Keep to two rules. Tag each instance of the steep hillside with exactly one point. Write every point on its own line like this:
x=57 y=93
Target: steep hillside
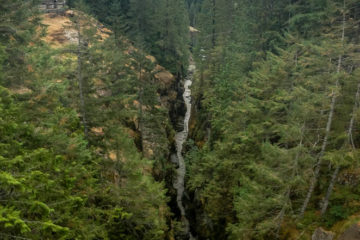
x=147 y=110
x=72 y=146
x=61 y=32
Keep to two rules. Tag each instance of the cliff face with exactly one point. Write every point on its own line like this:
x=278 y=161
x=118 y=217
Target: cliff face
x=148 y=111
x=154 y=135
x=156 y=129
x=54 y=6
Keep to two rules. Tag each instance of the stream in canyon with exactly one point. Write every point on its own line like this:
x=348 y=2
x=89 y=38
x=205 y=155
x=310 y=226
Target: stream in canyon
x=180 y=138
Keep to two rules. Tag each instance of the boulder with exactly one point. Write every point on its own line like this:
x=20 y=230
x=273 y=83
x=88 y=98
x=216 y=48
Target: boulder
x=321 y=234
x=352 y=233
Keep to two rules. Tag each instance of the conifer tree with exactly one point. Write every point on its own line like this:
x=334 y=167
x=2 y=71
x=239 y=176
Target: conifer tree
x=328 y=124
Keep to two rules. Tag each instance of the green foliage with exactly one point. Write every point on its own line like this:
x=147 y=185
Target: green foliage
x=337 y=213
x=158 y=27
x=267 y=73
x=264 y=93
x=10 y=219
x=55 y=183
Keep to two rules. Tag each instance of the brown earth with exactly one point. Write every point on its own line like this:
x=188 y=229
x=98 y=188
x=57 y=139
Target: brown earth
x=61 y=31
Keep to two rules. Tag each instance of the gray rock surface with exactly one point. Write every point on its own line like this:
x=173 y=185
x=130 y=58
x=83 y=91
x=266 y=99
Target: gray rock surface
x=321 y=234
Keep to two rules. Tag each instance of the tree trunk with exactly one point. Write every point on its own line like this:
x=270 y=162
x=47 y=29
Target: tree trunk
x=327 y=131
x=351 y=143
x=351 y=125
x=80 y=79
x=141 y=113
x=329 y=191
x=288 y=190
x=213 y=38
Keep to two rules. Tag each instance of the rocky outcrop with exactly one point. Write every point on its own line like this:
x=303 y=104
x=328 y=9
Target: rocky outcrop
x=321 y=234
x=156 y=119
x=53 y=6
x=61 y=31
x=352 y=233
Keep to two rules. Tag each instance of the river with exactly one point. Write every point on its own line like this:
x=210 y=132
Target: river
x=180 y=138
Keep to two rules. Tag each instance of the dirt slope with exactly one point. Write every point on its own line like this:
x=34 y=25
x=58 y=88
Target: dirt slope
x=61 y=31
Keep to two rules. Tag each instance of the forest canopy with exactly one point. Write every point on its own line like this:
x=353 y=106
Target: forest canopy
x=179 y=119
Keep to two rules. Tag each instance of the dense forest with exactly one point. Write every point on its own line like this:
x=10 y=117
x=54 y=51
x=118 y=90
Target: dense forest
x=180 y=119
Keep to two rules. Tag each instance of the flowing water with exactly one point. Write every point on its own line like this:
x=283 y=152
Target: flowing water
x=180 y=138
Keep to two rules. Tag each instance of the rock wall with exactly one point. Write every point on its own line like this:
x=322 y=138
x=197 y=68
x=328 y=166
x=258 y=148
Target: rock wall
x=321 y=234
